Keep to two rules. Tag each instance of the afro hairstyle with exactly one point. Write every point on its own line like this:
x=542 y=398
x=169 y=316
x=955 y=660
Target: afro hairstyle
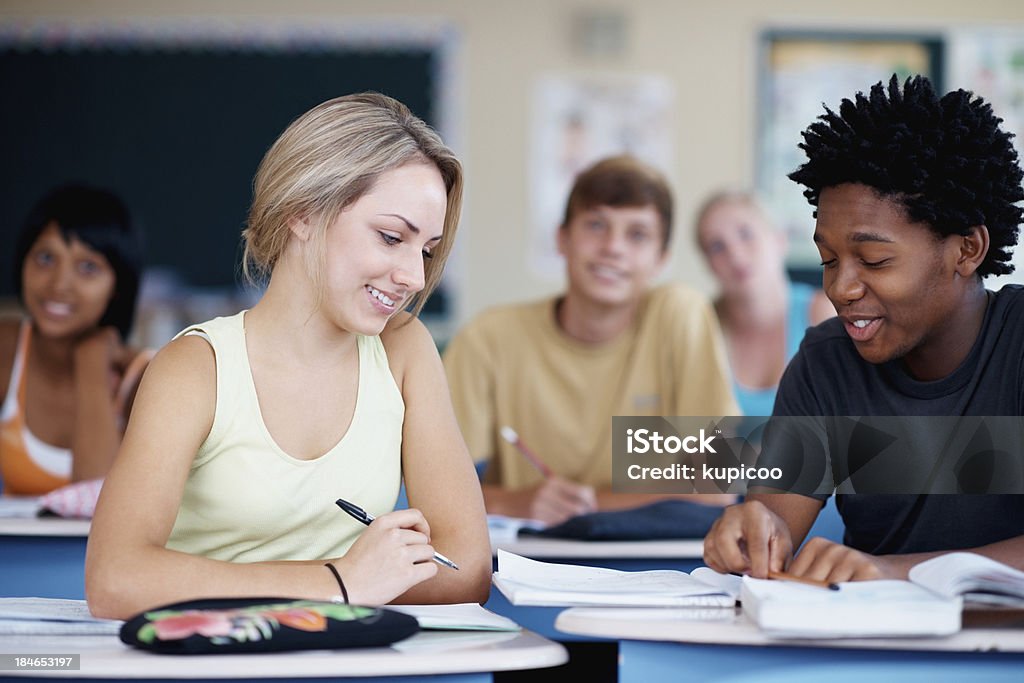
x=945 y=160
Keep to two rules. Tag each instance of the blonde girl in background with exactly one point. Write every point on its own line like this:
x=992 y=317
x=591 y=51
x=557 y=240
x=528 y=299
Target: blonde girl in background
x=763 y=315
x=248 y=428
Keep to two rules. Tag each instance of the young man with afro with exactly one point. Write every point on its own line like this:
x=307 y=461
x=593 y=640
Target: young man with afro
x=916 y=199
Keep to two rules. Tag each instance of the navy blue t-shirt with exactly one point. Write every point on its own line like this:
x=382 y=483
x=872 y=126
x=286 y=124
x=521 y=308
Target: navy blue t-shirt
x=827 y=377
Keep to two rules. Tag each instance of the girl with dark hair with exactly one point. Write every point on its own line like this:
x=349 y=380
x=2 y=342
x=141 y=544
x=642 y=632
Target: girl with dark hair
x=70 y=377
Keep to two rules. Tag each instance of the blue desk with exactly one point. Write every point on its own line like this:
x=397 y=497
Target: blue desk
x=46 y=558
x=43 y=557
x=670 y=644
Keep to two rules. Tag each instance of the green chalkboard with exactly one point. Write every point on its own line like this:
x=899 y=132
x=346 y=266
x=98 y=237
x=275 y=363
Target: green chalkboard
x=177 y=133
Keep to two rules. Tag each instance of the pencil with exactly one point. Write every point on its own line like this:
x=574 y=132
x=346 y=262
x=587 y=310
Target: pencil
x=512 y=437
x=783 y=576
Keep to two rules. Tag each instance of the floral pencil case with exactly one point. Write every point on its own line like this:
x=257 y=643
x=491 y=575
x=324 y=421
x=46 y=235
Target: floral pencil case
x=232 y=625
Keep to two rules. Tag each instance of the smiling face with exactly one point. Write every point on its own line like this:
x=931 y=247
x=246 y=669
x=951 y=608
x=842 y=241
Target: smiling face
x=740 y=246
x=612 y=253
x=893 y=282
x=375 y=249
x=66 y=285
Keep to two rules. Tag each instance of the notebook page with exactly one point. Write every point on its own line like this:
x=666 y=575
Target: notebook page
x=858 y=609
x=468 y=616
x=566 y=578
x=959 y=573
x=41 y=616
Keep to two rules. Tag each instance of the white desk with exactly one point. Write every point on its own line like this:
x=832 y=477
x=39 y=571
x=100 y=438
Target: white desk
x=425 y=654
x=724 y=645
x=44 y=526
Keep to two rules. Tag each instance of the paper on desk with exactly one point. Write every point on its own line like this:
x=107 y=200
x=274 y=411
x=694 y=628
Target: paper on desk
x=503 y=529
x=727 y=583
x=22 y=507
x=529 y=582
x=51 y=616
x=76 y=500
x=467 y=616
x=439 y=641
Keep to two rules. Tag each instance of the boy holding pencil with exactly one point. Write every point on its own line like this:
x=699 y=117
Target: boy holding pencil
x=535 y=385
x=917 y=201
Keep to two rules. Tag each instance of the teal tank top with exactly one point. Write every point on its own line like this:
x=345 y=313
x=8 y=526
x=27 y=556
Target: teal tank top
x=761 y=401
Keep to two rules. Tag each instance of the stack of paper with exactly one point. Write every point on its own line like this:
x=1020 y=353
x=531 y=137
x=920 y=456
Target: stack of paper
x=858 y=609
x=76 y=500
x=533 y=583
x=49 y=616
x=19 y=506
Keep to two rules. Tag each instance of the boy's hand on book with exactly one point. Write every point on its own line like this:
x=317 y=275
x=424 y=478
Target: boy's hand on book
x=748 y=538
x=390 y=557
x=558 y=499
x=833 y=562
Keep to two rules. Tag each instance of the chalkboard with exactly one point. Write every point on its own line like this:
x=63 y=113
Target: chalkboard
x=177 y=133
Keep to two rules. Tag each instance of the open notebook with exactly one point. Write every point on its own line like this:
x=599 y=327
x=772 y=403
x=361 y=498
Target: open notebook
x=975 y=577
x=859 y=609
x=532 y=583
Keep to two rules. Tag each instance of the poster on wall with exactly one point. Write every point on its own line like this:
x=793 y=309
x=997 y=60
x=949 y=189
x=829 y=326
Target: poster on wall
x=990 y=63
x=578 y=120
x=799 y=73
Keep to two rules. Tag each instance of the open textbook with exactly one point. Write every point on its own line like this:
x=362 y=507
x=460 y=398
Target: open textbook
x=859 y=609
x=976 y=577
x=532 y=583
x=929 y=604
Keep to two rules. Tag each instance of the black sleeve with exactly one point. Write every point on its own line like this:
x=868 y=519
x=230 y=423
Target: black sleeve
x=795 y=442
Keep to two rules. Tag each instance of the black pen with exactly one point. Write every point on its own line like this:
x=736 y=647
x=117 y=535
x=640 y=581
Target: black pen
x=361 y=515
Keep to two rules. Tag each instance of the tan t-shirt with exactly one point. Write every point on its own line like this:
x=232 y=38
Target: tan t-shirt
x=514 y=366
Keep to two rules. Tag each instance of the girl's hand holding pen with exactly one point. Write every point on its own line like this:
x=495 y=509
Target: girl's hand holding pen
x=390 y=557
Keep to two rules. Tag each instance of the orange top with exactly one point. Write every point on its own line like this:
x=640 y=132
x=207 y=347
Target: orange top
x=28 y=466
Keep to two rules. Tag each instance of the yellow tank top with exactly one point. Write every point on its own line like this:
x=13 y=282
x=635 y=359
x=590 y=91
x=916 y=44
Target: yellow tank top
x=246 y=500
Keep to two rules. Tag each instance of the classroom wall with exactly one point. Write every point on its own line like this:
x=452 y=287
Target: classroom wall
x=707 y=49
